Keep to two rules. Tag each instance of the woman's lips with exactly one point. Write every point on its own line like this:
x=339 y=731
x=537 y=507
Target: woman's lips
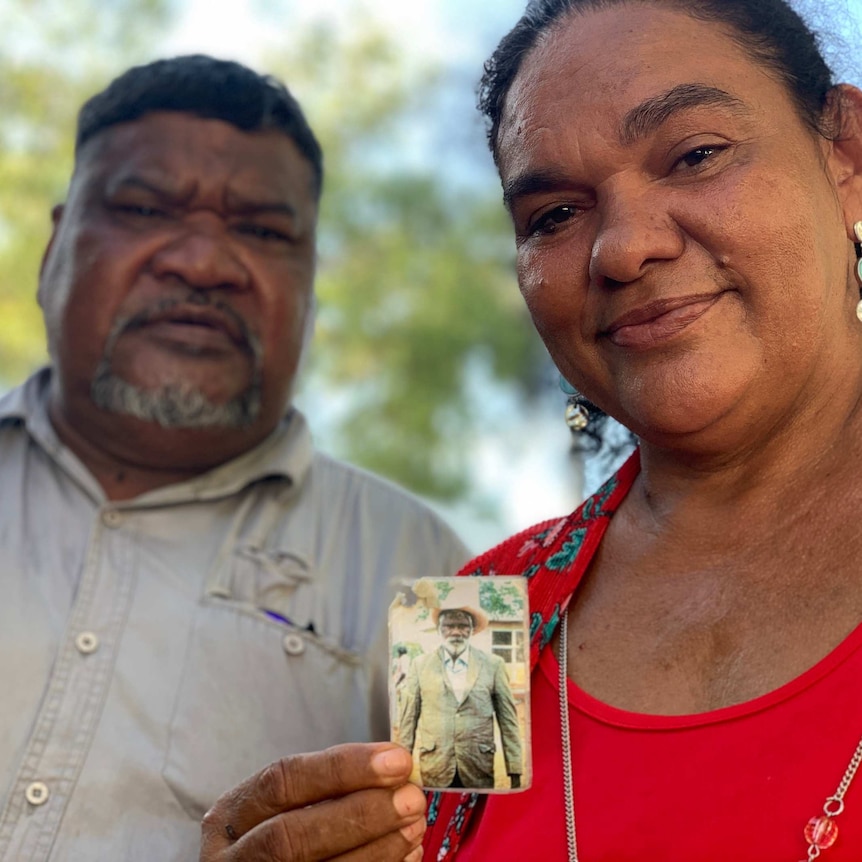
x=658 y=322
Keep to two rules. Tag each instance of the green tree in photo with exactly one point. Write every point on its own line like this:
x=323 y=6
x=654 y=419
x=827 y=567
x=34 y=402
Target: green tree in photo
x=500 y=599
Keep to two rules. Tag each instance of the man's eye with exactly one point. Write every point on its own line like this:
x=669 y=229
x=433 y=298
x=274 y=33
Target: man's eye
x=143 y=211
x=262 y=232
x=550 y=221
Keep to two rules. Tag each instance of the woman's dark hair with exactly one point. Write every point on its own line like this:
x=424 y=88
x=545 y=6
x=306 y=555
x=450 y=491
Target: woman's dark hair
x=771 y=31
x=204 y=87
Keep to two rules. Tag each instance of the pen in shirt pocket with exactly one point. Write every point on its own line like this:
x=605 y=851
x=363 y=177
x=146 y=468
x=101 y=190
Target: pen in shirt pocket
x=287 y=621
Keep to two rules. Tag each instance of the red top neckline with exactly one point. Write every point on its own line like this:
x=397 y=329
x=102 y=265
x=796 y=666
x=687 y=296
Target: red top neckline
x=611 y=715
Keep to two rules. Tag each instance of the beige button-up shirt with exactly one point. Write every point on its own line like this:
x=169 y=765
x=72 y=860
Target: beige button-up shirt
x=155 y=652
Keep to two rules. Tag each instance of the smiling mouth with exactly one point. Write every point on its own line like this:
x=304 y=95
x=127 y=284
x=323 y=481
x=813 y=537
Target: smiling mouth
x=658 y=322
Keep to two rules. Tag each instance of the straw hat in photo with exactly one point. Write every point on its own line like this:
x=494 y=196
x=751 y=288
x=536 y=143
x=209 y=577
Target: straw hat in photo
x=480 y=620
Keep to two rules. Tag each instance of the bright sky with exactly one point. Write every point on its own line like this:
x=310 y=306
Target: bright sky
x=443 y=29
x=447 y=29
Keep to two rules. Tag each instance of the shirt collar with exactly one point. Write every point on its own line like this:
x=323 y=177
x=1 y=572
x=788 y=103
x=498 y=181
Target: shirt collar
x=457 y=664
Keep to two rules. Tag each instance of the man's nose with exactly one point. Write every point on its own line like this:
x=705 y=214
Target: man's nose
x=201 y=254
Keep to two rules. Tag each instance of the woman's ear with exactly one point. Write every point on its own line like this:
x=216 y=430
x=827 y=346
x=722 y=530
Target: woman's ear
x=843 y=126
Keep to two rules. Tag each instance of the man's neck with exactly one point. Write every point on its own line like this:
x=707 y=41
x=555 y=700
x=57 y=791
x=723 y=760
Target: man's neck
x=129 y=457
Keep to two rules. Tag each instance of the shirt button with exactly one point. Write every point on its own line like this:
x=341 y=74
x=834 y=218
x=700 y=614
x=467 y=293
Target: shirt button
x=293 y=644
x=37 y=793
x=86 y=642
x=112 y=518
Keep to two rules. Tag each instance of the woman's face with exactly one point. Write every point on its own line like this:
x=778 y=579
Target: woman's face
x=681 y=233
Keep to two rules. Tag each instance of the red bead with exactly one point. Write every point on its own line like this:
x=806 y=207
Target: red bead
x=821 y=832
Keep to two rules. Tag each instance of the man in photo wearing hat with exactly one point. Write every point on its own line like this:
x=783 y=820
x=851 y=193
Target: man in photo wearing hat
x=451 y=697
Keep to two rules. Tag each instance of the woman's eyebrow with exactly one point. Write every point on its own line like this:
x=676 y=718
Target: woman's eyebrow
x=650 y=114
x=532 y=183
x=638 y=123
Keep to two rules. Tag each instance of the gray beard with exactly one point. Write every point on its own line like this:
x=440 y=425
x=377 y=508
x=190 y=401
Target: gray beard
x=176 y=405
x=173 y=406
x=452 y=649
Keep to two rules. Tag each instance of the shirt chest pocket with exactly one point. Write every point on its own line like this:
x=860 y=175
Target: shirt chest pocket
x=256 y=687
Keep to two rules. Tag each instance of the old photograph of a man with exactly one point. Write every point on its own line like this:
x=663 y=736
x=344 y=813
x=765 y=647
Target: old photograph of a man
x=462 y=707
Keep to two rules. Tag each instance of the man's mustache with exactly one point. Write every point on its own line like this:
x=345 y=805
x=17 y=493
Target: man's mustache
x=199 y=298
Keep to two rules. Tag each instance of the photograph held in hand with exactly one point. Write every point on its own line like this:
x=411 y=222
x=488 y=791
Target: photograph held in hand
x=462 y=705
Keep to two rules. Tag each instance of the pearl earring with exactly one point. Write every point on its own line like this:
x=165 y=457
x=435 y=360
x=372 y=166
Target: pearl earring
x=857 y=232
x=577 y=416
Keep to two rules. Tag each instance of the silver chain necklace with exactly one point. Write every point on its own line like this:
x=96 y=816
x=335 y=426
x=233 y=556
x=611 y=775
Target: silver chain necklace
x=820 y=832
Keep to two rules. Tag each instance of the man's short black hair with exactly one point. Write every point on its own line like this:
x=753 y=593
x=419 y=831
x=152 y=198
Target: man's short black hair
x=205 y=87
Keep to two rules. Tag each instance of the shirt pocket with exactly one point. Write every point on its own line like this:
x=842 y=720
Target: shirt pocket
x=255 y=686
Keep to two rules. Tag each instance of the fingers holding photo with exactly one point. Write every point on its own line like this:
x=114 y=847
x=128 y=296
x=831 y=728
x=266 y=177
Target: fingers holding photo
x=349 y=803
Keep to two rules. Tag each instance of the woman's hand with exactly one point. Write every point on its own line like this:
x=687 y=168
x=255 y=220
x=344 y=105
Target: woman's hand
x=350 y=803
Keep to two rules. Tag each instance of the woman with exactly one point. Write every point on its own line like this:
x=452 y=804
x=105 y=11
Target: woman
x=685 y=184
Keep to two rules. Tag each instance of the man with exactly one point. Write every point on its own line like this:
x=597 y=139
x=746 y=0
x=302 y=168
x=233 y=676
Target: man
x=451 y=698
x=189 y=590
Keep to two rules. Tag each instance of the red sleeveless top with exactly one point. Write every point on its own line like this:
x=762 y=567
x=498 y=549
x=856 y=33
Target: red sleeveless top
x=737 y=783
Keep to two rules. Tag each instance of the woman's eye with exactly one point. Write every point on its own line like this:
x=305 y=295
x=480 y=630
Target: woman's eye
x=549 y=222
x=698 y=156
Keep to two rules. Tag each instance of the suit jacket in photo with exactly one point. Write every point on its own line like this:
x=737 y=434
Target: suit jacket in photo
x=461 y=735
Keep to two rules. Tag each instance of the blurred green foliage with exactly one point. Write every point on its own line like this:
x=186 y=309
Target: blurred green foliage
x=416 y=286
x=53 y=55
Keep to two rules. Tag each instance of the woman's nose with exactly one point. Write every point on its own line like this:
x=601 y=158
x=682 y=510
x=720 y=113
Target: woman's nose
x=635 y=230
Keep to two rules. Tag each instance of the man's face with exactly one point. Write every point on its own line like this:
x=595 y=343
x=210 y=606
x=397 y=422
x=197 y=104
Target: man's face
x=178 y=282
x=455 y=628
